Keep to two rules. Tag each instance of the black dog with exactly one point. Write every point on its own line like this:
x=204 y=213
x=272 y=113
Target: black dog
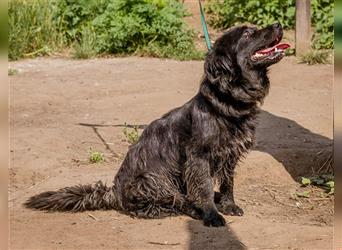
x=170 y=170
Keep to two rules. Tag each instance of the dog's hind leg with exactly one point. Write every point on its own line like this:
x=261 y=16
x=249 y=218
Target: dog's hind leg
x=151 y=195
x=200 y=191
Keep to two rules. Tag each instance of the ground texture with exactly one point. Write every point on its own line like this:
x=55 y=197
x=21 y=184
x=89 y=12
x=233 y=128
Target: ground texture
x=61 y=108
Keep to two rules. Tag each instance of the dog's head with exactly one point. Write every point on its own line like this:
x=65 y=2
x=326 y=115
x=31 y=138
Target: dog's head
x=245 y=49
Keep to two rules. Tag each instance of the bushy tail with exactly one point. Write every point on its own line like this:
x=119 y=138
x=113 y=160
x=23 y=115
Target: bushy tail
x=75 y=199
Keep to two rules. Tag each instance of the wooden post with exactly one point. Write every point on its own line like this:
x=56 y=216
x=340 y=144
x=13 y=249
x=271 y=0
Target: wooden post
x=303 y=26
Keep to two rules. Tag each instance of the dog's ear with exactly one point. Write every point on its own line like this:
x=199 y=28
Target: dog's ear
x=218 y=66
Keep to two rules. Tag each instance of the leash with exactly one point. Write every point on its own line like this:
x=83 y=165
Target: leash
x=204 y=26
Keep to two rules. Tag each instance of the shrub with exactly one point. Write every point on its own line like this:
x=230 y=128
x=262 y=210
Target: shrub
x=145 y=27
x=323 y=19
x=226 y=13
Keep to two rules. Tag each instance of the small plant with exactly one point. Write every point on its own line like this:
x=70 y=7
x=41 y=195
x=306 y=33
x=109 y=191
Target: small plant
x=315 y=57
x=12 y=72
x=96 y=157
x=84 y=48
x=131 y=134
x=326 y=181
x=290 y=52
x=304 y=194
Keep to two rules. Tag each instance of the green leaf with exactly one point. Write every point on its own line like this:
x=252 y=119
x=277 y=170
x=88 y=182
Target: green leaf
x=306 y=181
x=330 y=184
x=304 y=194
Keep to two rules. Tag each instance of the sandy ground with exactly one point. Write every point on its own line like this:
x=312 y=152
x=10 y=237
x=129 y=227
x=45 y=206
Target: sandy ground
x=51 y=97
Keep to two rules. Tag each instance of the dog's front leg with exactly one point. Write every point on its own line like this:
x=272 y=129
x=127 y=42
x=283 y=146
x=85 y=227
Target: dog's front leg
x=200 y=191
x=225 y=198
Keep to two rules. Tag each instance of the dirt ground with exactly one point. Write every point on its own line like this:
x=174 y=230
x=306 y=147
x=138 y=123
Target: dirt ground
x=60 y=108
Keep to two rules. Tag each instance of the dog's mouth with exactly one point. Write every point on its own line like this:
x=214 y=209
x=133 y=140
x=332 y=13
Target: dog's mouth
x=275 y=52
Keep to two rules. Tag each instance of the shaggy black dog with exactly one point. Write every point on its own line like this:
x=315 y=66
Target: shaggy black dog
x=172 y=168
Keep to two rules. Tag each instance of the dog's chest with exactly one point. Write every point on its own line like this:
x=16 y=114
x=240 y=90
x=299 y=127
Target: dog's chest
x=231 y=143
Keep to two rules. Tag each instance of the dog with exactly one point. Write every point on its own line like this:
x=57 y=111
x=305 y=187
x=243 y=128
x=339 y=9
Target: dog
x=172 y=168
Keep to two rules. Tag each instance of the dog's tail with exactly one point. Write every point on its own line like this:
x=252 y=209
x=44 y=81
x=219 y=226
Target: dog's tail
x=75 y=199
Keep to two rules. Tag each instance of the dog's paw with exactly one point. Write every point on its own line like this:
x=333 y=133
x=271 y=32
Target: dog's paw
x=230 y=208
x=213 y=219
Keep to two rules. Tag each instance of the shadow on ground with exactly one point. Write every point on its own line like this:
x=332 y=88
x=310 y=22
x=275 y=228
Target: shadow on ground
x=204 y=238
x=299 y=150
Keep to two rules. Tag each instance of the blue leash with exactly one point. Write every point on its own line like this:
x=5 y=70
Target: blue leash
x=204 y=26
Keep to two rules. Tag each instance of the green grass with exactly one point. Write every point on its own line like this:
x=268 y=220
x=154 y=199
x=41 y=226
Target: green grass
x=131 y=134
x=12 y=72
x=315 y=57
x=85 y=47
x=96 y=156
x=32 y=29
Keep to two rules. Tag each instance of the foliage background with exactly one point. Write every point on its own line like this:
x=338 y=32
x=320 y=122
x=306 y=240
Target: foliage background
x=148 y=27
x=142 y=27
x=226 y=13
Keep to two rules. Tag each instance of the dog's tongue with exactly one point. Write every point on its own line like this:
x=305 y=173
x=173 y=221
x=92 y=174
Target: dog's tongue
x=279 y=46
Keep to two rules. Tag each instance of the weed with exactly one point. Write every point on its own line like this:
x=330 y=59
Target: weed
x=12 y=72
x=131 y=134
x=325 y=181
x=315 y=57
x=85 y=47
x=304 y=194
x=33 y=28
x=290 y=52
x=96 y=157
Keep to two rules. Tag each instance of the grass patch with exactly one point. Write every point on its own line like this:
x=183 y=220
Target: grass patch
x=96 y=156
x=131 y=134
x=33 y=30
x=85 y=47
x=316 y=57
x=12 y=72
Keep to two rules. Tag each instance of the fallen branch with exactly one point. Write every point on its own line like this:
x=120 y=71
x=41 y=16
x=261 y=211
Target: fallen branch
x=163 y=243
x=93 y=217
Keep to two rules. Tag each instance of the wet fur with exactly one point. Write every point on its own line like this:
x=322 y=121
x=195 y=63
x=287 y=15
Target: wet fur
x=171 y=169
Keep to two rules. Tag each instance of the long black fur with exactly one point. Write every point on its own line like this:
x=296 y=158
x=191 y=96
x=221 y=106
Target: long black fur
x=170 y=170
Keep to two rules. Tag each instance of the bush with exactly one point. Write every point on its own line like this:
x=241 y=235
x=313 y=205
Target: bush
x=323 y=19
x=146 y=27
x=226 y=13
x=152 y=27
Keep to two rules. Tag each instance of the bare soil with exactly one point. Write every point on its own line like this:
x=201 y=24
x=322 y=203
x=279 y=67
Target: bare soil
x=60 y=108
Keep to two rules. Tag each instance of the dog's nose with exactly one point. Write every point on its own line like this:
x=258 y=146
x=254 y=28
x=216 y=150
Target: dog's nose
x=277 y=25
